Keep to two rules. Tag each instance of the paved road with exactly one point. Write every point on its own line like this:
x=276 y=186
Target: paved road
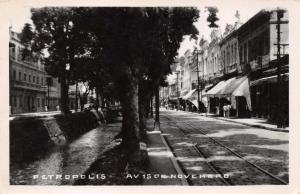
x=204 y=145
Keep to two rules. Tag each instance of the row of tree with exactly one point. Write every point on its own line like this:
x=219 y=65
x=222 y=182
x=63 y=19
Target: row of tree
x=127 y=51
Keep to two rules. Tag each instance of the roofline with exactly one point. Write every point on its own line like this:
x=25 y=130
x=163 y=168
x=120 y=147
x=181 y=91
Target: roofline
x=245 y=25
x=261 y=13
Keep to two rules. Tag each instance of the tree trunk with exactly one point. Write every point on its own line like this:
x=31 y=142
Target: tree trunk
x=157 y=123
x=76 y=97
x=143 y=104
x=97 y=98
x=81 y=99
x=147 y=108
x=130 y=122
x=64 y=88
x=151 y=107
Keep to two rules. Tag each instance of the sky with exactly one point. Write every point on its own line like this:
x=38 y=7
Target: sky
x=226 y=14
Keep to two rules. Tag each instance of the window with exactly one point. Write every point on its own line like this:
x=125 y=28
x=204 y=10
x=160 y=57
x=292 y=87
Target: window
x=14 y=75
x=14 y=101
x=43 y=102
x=19 y=53
x=242 y=53
x=12 y=50
x=266 y=39
x=236 y=52
x=21 y=101
x=245 y=53
x=232 y=54
x=24 y=77
x=38 y=80
x=38 y=102
x=20 y=76
x=29 y=78
x=33 y=79
x=227 y=57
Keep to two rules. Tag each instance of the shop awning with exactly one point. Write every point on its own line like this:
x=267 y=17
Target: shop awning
x=183 y=93
x=243 y=90
x=271 y=79
x=195 y=102
x=204 y=101
x=193 y=96
x=207 y=87
x=231 y=85
x=188 y=95
x=216 y=88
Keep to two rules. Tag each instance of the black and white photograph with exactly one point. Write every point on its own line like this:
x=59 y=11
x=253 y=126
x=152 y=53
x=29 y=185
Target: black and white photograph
x=152 y=95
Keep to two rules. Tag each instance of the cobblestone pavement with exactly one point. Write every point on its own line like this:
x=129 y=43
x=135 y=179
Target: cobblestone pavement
x=234 y=154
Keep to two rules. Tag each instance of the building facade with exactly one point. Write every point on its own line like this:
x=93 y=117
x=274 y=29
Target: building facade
x=31 y=89
x=267 y=68
x=27 y=80
x=245 y=69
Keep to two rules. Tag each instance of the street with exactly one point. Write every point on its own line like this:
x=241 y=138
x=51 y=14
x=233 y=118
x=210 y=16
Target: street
x=243 y=154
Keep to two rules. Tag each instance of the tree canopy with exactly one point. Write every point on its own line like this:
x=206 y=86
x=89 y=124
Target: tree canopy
x=129 y=49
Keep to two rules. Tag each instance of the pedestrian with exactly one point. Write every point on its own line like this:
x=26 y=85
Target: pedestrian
x=228 y=110
x=224 y=110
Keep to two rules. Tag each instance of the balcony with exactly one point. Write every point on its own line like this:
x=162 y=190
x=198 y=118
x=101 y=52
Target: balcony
x=27 y=86
x=260 y=62
x=231 y=68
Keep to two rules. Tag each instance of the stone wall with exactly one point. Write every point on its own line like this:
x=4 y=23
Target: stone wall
x=33 y=137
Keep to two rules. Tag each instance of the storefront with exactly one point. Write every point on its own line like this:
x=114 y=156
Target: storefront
x=267 y=101
x=233 y=92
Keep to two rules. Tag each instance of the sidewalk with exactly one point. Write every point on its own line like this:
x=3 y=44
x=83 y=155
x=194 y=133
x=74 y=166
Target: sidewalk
x=161 y=162
x=252 y=122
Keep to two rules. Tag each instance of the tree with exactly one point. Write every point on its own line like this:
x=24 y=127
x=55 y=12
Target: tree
x=212 y=17
x=137 y=47
x=59 y=41
x=133 y=46
x=26 y=39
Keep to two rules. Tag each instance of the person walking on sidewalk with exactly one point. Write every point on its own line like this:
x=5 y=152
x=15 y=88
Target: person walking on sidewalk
x=224 y=110
x=228 y=110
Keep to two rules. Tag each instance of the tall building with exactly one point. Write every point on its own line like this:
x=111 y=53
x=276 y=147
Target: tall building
x=31 y=89
x=27 y=79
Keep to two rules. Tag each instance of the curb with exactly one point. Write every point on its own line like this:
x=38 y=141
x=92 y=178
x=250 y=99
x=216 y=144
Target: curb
x=251 y=125
x=173 y=160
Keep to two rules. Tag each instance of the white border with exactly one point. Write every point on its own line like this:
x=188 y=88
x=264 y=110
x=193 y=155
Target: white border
x=9 y=8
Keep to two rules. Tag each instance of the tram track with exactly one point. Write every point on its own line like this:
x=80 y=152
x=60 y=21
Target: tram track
x=217 y=142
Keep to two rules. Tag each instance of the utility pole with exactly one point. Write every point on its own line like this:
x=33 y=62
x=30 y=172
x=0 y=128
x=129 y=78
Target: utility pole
x=177 y=72
x=76 y=96
x=279 y=118
x=198 y=81
x=48 y=99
